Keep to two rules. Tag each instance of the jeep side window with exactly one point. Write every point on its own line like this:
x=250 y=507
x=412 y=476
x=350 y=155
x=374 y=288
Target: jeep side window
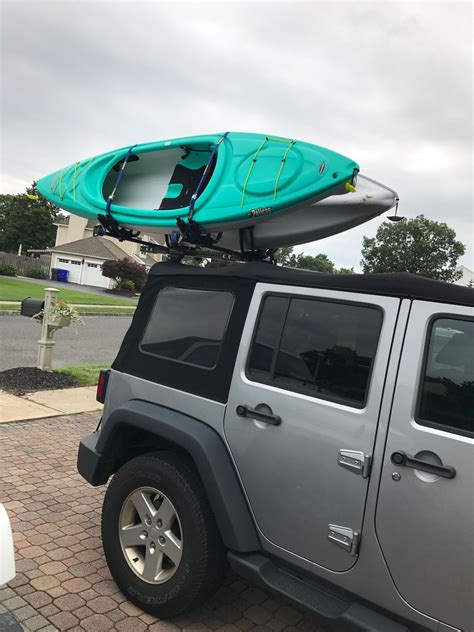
x=188 y=325
x=447 y=387
x=325 y=349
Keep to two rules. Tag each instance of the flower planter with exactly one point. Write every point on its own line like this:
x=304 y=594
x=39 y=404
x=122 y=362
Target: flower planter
x=59 y=321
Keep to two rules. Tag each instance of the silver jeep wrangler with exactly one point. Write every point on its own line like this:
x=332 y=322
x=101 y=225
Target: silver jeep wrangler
x=315 y=431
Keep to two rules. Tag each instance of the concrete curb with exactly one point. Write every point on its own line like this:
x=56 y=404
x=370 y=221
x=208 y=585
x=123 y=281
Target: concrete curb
x=129 y=315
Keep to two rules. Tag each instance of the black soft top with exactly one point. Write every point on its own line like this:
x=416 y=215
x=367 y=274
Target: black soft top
x=401 y=284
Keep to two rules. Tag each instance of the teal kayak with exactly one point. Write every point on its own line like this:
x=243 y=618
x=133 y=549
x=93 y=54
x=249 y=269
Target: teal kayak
x=221 y=181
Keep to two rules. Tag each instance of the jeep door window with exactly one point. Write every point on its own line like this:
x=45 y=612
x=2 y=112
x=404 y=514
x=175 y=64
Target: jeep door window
x=268 y=335
x=325 y=349
x=188 y=325
x=447 y=388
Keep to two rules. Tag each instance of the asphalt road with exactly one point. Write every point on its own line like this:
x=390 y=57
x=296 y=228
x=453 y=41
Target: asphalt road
x=96 y=342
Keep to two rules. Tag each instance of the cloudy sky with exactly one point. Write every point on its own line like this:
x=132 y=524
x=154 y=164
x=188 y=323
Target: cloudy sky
x=386 y=83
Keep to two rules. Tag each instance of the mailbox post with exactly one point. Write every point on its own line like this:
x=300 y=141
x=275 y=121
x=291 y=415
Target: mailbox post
x=46 y=342
x=50 y=323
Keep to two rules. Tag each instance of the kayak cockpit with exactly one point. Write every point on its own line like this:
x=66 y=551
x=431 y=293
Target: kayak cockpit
x=185 y=181
x=161 y=180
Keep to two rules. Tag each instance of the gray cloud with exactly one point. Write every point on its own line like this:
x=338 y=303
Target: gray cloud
x=388 y=84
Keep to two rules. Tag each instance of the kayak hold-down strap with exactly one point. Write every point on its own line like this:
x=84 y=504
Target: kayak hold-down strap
x=204 y=175
x=118 y=180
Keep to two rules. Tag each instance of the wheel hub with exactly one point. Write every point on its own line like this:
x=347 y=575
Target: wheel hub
x=150 y=535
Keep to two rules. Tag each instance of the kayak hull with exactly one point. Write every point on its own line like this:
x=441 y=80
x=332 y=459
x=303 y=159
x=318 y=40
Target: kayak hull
x=310 y=221
x=321 y=218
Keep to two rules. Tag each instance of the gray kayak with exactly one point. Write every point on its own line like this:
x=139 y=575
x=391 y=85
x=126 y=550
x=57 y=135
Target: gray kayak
x=309 y=221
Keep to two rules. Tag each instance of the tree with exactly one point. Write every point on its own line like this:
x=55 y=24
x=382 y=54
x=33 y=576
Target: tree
x=124 y=270
x=283 y=255
x=344 y=271
x=27 y=221
x=320 y=263
x=418 y=245
x=220 y=263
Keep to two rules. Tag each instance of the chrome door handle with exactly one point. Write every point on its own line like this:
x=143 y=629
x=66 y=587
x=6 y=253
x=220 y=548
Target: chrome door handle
x=252 y=413
x=402 y=458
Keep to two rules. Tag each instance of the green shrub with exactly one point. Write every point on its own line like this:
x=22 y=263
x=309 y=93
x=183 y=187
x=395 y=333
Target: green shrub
x=128 y=285
x=36 y=273
x=125 y=270
x=7 y=269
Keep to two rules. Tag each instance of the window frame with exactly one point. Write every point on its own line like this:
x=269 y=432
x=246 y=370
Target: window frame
x=302 y=391
x=177 y=361
x=426 y=348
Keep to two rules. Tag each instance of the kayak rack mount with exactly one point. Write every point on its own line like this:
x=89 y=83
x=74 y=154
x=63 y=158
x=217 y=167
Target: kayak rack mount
x=205 y=248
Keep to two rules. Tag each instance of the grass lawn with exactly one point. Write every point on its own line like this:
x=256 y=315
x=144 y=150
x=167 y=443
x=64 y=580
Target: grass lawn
x=92 y=309
x=9 y=307
x=83 y=374
x=12 y=289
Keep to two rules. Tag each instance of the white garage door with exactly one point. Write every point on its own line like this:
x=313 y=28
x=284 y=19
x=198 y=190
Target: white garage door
x=93 y=275
x=73 y=265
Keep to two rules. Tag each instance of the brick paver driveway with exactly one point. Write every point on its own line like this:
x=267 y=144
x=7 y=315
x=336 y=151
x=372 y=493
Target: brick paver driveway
x=63 y=581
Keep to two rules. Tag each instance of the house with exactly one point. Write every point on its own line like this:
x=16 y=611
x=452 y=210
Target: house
x=467 y=278
x=82 y=254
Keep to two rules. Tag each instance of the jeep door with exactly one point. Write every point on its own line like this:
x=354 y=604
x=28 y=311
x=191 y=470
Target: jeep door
x=302 y=415
x=425 y=512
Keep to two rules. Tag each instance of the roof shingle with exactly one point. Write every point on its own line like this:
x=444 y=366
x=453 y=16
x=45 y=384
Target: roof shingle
x=63 y=220
x=97 y=247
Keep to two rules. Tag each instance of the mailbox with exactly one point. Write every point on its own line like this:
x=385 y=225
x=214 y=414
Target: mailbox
x=31 y=306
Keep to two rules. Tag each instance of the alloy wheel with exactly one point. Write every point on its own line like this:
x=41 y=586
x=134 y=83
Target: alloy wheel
x=150 y=535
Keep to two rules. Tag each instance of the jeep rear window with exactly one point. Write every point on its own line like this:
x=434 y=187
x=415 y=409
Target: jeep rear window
x=447 y=389
x=188 y=325
x=325 y=349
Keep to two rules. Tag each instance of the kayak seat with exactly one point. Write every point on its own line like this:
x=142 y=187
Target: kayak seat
x=189 y=180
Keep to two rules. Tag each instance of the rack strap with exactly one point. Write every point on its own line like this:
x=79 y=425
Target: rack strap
x=118 y=180
x=204 y=174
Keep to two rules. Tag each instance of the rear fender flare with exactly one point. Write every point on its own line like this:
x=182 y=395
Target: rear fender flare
x=209 y=454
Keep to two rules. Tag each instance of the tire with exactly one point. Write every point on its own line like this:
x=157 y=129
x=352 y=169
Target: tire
x=192 y=560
